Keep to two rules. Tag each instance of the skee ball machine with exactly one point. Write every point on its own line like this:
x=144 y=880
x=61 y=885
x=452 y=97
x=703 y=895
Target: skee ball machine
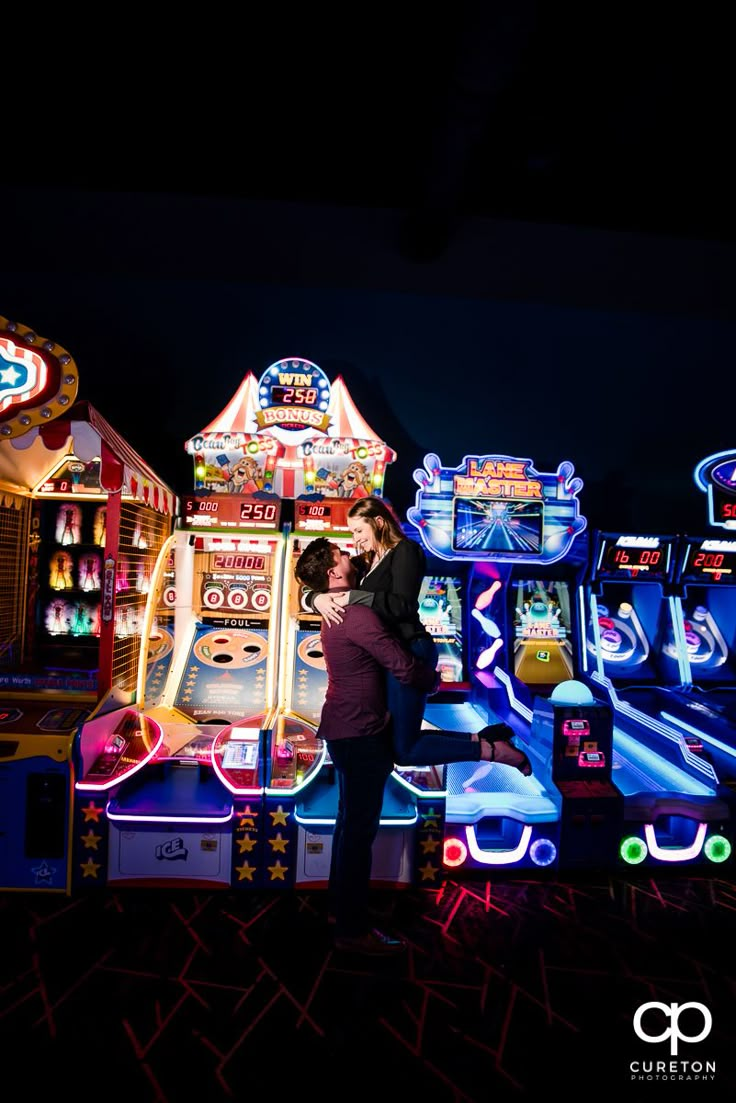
x=701 y=702
x=82 y=520
x=191 y=813
x=676 y=812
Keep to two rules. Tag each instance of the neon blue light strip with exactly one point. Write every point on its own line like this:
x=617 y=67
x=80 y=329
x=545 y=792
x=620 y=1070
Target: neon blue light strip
x=517 y=706
x=679 y=629
x=328 y=821
x=625 y=709
x=439 y=793
x=582 y=626
x=700 y=481
x=596 y=637
x=655 y=772
x=705 y=736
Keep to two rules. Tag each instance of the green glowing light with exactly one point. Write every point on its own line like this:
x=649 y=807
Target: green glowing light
x=633 y=850
x=717 y=849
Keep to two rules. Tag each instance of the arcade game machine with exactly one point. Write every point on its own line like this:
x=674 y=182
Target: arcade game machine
x=344 y=462
x=502 y=542
x=191 y=812
x=675 y=809
x=82 y=519
x=702 y=702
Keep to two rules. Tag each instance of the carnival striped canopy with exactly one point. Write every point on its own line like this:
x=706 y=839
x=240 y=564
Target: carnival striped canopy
x=239 y=416
x=25 y=461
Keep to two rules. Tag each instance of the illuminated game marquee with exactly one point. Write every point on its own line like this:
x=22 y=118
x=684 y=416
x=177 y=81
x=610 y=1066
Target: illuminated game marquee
x=38 y=379
x=496 y=507
x=716 y=476
x=290 y=433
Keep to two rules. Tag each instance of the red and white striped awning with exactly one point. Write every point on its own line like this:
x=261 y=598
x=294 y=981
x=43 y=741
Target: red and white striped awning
x=239 y=414
x=345 y=419
x=83 y=432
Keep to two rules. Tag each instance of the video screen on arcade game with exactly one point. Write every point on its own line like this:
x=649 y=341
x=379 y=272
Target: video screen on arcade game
x=542 y=645
x=441 y=613
x=497 y=525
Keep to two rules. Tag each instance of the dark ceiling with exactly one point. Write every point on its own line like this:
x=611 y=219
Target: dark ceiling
x=590 y=114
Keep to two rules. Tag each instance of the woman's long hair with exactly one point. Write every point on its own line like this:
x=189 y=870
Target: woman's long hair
x=388 y=534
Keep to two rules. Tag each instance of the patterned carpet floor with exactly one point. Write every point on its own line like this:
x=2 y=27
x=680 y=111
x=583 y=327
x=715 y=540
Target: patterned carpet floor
x=510 y=990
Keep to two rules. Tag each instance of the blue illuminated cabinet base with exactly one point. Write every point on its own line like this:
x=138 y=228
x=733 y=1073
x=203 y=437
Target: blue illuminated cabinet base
x=35 y=797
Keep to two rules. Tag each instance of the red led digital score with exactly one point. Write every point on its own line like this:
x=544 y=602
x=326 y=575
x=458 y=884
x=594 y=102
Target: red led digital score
x=331 y=514
x=639 y=557
x=644 y=562
x=231 y=511
x=231 y=561
x=294 y=396
x=711 y=566
x=709 y=560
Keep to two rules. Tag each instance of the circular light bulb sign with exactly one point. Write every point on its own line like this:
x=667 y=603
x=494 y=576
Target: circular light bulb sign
x=293 y=396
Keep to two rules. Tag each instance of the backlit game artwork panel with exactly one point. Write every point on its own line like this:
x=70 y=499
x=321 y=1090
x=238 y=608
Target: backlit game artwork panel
x=440 y=610
x=495 y=524
x=542 y=647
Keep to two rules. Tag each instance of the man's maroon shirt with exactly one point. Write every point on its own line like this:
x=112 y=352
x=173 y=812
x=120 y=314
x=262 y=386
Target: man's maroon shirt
x=357 y=653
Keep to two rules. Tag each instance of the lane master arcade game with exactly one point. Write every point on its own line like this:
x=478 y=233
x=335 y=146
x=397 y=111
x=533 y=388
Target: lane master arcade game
x=501 y=538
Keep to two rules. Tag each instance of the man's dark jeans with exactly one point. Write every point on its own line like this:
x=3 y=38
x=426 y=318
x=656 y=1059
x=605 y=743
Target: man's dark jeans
x=362 y=765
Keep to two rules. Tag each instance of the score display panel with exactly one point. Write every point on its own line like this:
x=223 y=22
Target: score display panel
x=295 y=396
x=237 y=583
x=644 y=558
x=709 y=562
x=230 y=511
x=327 y=515
x=238 y=561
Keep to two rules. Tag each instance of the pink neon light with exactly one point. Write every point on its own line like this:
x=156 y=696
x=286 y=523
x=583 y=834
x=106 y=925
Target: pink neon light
x=485 y=599
x=226 y=782
x=99 y=786
x=498 y=857
x=670 y=853
x=486 y=657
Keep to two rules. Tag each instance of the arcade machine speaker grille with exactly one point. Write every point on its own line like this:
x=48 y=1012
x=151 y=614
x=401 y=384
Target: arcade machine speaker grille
x=142 y=534
x=14 y=512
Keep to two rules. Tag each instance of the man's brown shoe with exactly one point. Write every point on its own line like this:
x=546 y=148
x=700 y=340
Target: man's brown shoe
x=374 y=944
